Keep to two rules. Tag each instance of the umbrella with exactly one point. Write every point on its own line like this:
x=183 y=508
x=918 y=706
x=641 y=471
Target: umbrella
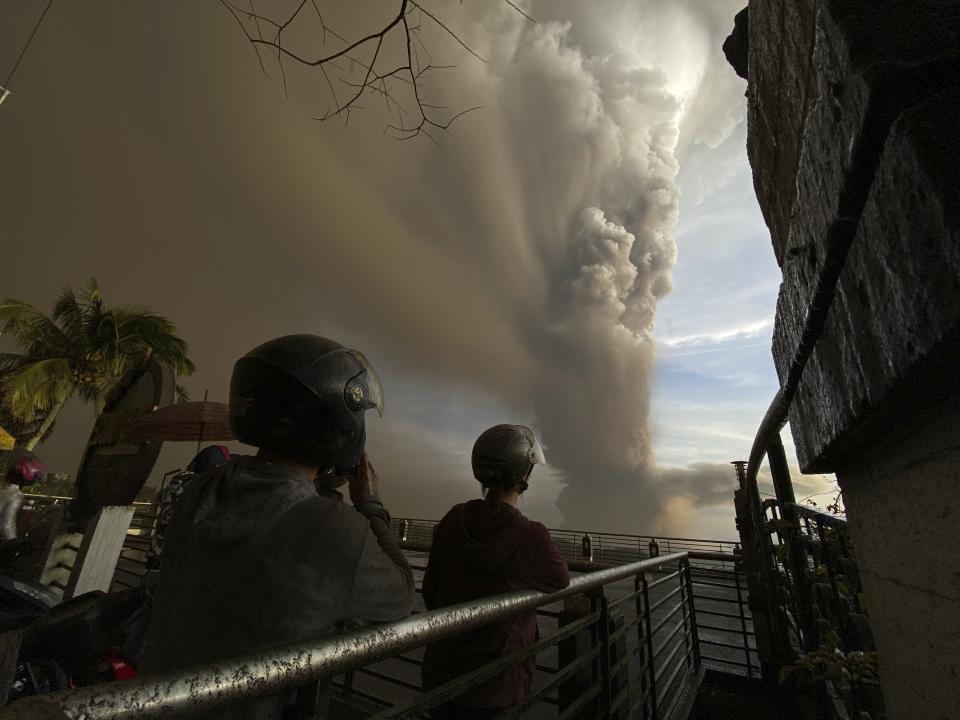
x=199 y=421
x=7 y=441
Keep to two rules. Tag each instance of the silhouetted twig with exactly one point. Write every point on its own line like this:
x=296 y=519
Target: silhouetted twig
x=382 y=75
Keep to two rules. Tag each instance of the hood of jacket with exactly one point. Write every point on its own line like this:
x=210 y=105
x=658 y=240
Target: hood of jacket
x=239 y=499
x=490 y=533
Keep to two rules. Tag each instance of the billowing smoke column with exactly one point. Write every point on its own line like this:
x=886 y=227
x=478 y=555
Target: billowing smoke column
x=526 y=257
x=556 y=202
x=547 y=221
x=592 y=398
x=601 y=203
x=520 y=264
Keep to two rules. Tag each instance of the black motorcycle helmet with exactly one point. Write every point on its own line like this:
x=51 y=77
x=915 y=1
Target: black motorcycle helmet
x=505 y=455
x=305 y=396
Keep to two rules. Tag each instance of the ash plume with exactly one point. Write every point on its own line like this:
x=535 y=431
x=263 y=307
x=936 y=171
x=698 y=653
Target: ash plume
x=522 y=261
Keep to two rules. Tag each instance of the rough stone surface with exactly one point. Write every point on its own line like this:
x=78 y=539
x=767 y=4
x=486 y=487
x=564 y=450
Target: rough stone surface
x=780 y=87
x=803 y=131
x=787 y=76
x=891 y=336
x=880 y=396
x=903 y=509
x=736 y=47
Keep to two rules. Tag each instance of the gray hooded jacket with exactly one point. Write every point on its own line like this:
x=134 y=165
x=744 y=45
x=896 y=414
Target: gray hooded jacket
x=256 y=557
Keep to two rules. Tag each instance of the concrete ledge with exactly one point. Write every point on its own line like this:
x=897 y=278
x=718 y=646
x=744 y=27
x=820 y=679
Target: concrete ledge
x=903 y=510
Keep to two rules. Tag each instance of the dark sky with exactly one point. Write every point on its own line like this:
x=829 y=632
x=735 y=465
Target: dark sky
x=511 y=275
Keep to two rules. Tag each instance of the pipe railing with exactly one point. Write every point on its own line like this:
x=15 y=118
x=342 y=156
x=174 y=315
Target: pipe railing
x=217 y=686
x=726 y=630
x=610 y=548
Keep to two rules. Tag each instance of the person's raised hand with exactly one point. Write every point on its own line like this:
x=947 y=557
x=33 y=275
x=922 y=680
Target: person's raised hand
x=365 y=482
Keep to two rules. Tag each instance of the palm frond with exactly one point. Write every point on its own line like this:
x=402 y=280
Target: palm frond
x=37 y=387
x=29 y=327
x=10 y=362
x=86 y=348
x=91 y=293
x=68 y=312
x=140 y=330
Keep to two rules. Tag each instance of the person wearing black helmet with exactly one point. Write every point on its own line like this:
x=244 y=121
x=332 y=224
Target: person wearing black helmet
x=485 y=547
x=261 y=551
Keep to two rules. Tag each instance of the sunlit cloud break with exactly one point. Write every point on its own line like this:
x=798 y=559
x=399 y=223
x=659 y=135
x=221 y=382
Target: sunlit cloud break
x=744 y=332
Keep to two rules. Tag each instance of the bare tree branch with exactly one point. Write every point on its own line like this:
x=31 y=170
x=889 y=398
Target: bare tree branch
x=520 y=10
x=447 y=30
x=398 y=83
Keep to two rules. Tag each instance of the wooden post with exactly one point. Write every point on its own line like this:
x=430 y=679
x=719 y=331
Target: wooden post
x=97 y=559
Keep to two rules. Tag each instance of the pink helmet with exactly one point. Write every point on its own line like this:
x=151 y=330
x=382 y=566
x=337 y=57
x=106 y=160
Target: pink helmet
x=26 y=471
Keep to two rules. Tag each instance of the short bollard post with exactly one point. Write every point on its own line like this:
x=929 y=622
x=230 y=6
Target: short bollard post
x=587 y=547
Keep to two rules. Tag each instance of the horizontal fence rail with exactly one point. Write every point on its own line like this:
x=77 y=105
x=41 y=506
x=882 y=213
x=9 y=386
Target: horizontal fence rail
x=645 y=661
x=725 y=628
x=609 y=548
x=721 y=627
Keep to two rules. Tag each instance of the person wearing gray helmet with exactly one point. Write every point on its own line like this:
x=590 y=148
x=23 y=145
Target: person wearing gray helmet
x=261 y=551
x=486 y=547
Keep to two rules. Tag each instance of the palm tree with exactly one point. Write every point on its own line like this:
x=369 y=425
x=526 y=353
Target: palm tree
x=83 y=349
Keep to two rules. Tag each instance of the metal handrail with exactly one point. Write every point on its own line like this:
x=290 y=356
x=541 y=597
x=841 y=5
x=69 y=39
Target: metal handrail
x=37 y=496
x=825 y=518
x=712 y=566
x=578 y=533
x=218 y=685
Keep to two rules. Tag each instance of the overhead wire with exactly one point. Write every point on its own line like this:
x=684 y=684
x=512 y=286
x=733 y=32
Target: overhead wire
x=23 y=51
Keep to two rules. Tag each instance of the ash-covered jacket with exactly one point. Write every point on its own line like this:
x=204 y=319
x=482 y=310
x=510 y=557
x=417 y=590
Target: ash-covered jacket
x=481 y=548
x=256 y=556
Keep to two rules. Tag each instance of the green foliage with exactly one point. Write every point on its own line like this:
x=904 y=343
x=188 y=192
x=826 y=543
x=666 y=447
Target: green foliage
x=59 y=485
x=829 y=662
x=84 y=348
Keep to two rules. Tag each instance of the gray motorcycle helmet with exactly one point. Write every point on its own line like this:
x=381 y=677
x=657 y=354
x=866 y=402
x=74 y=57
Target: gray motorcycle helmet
x=505 y=455
x=305 y=396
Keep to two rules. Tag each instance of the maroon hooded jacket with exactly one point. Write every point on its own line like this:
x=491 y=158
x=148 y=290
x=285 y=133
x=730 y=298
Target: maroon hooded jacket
x=481 y=548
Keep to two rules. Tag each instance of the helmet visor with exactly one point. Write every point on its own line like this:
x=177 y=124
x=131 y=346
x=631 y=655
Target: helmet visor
x=535 y=453
x=364 y=391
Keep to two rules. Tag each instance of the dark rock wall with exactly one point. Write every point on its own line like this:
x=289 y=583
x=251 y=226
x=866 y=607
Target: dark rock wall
x=814 y=69
x=890 y=339
x=879 y=402
x=781 y=85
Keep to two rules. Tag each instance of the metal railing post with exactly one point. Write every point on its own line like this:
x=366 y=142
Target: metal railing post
x=645 y=657
x=603 y=635
x=654 y=711
x=694 y=633
x=737 y=569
